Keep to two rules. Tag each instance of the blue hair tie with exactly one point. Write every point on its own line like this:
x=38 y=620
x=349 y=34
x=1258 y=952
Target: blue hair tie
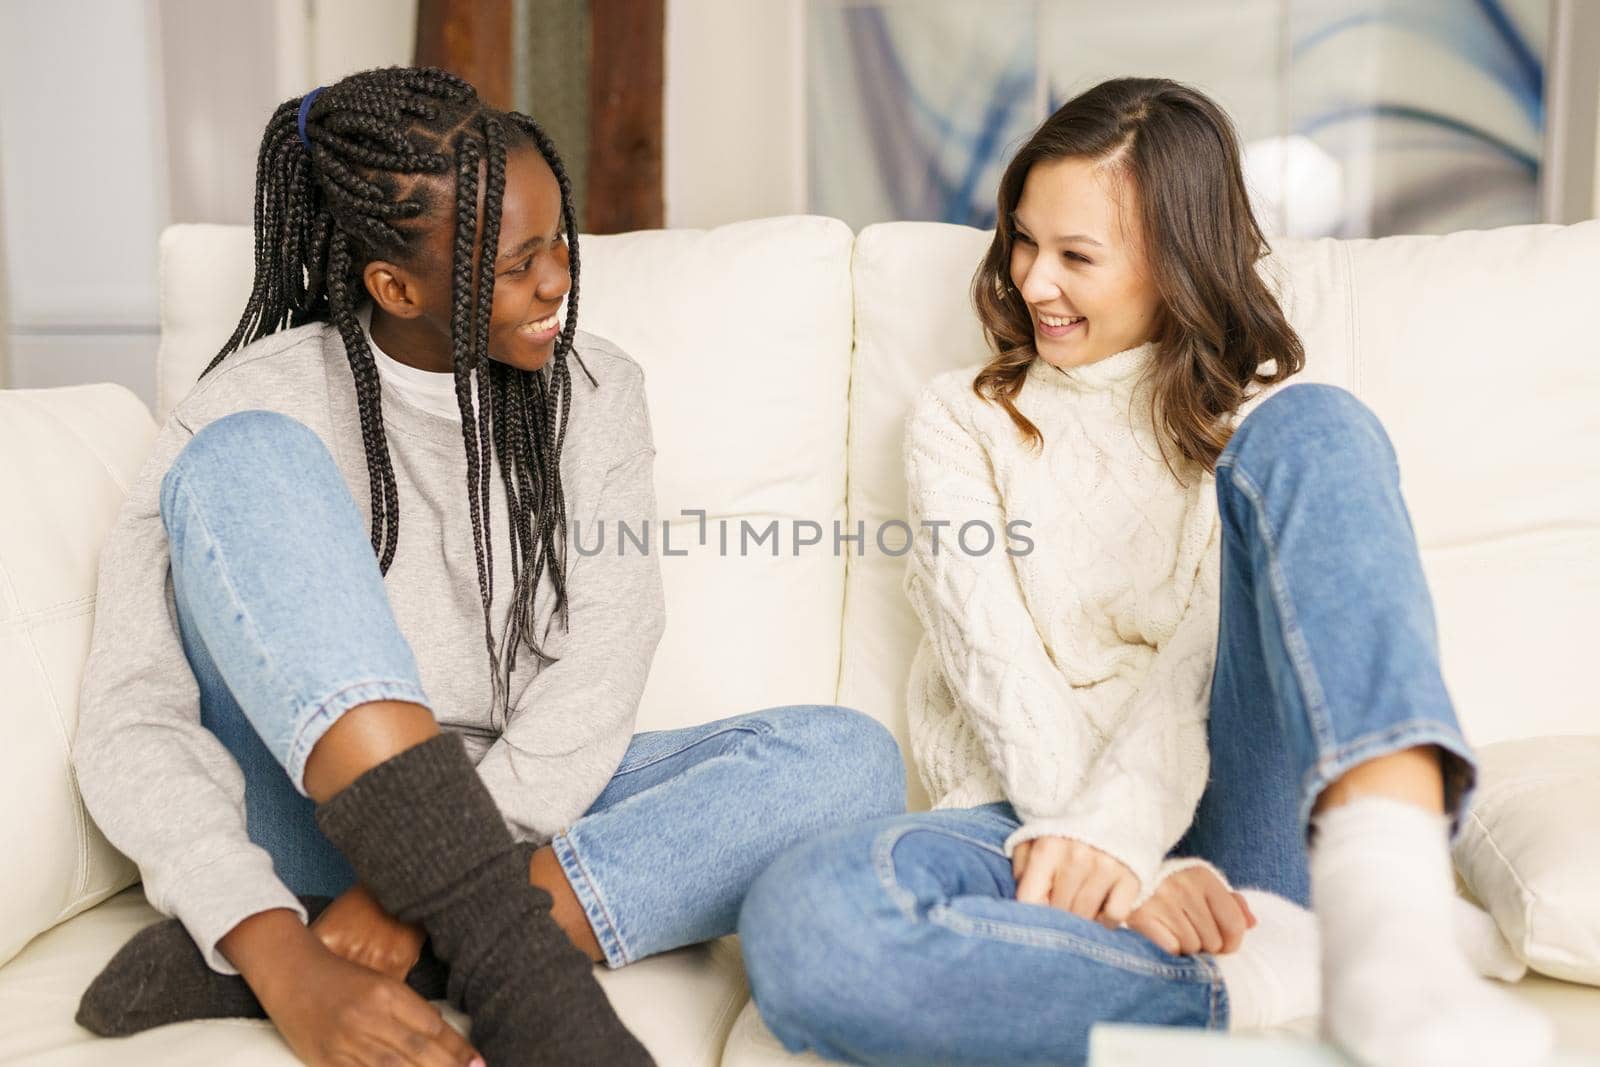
x=305 y=109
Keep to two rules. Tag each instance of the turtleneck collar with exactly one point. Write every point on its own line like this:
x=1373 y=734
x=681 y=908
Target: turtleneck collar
x=1116 y=372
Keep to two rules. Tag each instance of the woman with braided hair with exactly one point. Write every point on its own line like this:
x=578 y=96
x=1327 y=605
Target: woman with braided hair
x=286 y=715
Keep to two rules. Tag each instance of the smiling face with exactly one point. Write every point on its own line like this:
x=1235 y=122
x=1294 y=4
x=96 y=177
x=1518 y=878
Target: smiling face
x=1078 y=260
x=412 y=306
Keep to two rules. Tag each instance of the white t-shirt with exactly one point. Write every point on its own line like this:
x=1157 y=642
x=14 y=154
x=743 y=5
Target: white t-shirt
x=432 y=391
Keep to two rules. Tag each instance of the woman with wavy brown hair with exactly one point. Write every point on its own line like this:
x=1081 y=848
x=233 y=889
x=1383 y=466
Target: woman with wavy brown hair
x=1206 y=692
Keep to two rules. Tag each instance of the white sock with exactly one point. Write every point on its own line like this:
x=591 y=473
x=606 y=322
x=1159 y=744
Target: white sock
x=1274 y=977
x=1398 y=988
x=1480 y=937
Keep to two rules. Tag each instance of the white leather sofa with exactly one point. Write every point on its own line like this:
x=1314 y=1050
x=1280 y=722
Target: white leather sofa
x=781 y=356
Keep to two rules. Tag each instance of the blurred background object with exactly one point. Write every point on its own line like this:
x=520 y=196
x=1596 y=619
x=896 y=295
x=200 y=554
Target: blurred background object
x=1360 y=117
x=590 y=72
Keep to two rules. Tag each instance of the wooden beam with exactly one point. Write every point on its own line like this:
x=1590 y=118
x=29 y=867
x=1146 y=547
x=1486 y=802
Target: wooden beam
x=471 y=39
x=626 y=69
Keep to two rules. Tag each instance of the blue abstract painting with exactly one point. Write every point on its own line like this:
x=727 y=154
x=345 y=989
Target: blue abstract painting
x=1358 y=117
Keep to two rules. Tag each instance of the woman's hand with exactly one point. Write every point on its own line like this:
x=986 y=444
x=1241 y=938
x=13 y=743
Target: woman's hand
x=1193 y=911
x=355 y=927
x=334 y=1012
x=1065 y=873
x=337 y=1012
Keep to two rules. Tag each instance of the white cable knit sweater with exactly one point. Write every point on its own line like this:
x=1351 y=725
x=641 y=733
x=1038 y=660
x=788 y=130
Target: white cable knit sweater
x=1073 y=680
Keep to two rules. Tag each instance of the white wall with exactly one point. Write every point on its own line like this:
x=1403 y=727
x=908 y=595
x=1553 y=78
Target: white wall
x=83 y=190
x=351 y=35
x=733 y=144
x=118 y=117
x=220 y=97
x=219 y=76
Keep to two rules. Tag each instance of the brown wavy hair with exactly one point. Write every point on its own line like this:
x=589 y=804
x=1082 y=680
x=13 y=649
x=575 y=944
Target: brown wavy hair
x=1218 y=323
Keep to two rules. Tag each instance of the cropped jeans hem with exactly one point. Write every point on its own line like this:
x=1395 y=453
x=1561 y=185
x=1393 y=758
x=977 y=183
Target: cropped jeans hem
x=318 y=718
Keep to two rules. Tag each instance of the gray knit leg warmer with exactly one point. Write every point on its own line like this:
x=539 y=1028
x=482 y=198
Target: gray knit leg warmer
x=425 y=836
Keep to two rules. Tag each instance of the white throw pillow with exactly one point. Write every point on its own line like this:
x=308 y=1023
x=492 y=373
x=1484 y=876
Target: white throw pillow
x=1530 y=851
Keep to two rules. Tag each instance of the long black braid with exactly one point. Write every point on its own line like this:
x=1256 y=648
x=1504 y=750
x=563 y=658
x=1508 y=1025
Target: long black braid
x=363 y=192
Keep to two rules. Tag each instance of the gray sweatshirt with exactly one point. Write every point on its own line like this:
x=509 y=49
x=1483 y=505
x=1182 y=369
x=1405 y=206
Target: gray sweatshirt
x=170 y=796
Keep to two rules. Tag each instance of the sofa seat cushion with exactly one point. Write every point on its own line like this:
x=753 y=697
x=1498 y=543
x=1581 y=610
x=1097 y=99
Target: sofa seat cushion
x=680 y=1004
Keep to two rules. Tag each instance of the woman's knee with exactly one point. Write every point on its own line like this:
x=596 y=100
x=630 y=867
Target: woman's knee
x=809 y=928
x=1309 y=423
x=244 y=443
x=851 y=760
x=266 y=436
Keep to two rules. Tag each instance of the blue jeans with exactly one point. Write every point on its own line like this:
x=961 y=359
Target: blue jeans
x=900 y=941
x=286 y=625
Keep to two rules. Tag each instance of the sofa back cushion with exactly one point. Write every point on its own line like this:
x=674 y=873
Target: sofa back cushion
x=744 y=336
x=1480 y=353
x=1475 y=349
x=68 y=457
